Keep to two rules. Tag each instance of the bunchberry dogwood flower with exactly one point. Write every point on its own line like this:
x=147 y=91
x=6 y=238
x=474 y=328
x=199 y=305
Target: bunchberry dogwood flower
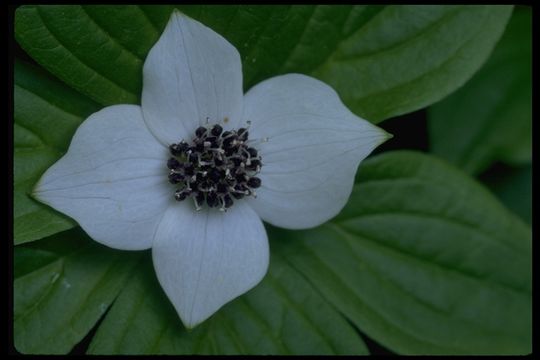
x=192 y=171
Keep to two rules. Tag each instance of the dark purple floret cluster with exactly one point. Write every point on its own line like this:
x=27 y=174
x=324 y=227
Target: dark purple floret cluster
x=216 y=167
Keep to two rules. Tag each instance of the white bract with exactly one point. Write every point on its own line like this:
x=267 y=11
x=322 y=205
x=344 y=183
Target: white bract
x=114 y=178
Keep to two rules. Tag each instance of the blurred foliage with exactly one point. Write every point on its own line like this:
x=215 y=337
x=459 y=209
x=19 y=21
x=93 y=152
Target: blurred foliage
x=490 y=119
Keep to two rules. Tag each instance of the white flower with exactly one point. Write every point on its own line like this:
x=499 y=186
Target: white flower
x=114 y=178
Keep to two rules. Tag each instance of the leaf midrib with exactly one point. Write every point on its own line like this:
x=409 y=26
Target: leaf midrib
x=135 y=57
x=419 y=77
x=382 y=316
x=88 y=66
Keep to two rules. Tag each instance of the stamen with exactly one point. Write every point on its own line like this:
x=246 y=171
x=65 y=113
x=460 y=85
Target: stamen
x=216 y=167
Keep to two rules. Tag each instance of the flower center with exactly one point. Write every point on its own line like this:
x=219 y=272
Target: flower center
x=215 y=167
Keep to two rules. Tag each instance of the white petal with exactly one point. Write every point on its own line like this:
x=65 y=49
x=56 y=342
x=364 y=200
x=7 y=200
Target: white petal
x=112 y=180
x=314 y=147
x=205 y=259
x=190 y=75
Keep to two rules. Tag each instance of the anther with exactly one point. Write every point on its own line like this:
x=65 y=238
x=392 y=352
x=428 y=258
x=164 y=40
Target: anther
x=211 y=199
x=201 y=130
x=172 y=163
x=176 y=149
x=181 y=195
x=216 y=130
x=243 y=134
x=221 y=188
x=252 y=152
x=175 y=178
x=199 y=147
x=238 y=195
x=254 y=182
x=189 y=169
x=228 y=201
x=254 y=164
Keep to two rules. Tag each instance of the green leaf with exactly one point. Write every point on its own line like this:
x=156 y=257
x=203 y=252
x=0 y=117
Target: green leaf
x=422 y=259
x=63 y=285
x=282 y=315
x=47 y=113
x=409 y=57
x=74 y=44
x=383 y=61
x=490 y=118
